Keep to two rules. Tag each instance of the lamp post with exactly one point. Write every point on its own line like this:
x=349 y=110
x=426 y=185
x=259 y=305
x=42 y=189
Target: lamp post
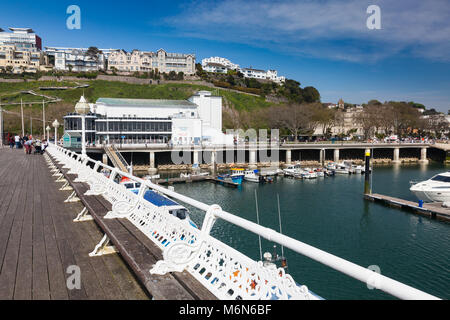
x=55 y=125
x=48 y=133
x=82 y=108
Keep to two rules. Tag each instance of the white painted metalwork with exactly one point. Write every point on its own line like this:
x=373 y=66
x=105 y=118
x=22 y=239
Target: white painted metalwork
x=226 y=272
x=83 y=216
x=103 y=248
x=72 y=198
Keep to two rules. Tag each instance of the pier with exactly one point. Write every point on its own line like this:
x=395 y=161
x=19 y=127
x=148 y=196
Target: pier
x=39 y=240
x=60 y=212
x=433 y=210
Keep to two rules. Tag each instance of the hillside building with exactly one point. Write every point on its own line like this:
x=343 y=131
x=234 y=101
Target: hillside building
x=142 y=61
x=78 y=59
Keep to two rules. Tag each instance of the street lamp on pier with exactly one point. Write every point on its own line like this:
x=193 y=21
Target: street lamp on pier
x=82 y=108
x=48 y=132
x=55 y=125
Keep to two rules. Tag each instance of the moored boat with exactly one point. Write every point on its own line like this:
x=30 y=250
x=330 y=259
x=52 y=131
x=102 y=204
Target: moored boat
x=435 y=189
x=161 y=201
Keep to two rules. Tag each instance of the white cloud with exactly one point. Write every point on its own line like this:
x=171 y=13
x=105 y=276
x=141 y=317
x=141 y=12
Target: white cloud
x=324 y=28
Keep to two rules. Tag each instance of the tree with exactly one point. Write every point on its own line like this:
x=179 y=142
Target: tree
x=374 y=102
x=93 y=53
x=230 y=80
x=291 y=90
x=324 y=118
x=310 y=94
x=369 y=120
x=296 y=118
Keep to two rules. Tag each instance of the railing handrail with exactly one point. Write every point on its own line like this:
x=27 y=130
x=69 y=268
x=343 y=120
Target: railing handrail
x=353 y=270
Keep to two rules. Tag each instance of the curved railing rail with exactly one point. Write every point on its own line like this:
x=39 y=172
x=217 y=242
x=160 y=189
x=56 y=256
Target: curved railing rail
x=226 y=272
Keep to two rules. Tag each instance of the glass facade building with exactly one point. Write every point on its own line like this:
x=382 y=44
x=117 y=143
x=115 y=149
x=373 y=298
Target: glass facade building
x=113 y=130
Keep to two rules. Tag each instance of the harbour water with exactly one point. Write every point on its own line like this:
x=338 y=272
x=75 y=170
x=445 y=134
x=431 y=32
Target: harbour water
x=331 y=214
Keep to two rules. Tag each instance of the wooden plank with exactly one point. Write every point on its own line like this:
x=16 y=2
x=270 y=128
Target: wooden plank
x=11 y=239
x=23 y=285
x=89 y=279
x=125 y=286
x=41 y=287
x=63 y=239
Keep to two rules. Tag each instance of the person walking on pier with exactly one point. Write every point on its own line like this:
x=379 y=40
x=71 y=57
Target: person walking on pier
x=11 y=142
x=17 y=141
x=28 y=146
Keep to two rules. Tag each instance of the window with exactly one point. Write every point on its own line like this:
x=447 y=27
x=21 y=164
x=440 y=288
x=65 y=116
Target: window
x=441 y=178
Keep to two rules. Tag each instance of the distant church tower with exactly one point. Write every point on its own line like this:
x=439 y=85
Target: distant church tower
x=341 y=104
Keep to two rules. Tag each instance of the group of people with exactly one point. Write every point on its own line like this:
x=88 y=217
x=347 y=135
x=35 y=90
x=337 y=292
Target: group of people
x=27 y=142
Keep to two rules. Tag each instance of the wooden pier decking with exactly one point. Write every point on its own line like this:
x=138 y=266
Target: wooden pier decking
x=39 y=240
x=433 y=210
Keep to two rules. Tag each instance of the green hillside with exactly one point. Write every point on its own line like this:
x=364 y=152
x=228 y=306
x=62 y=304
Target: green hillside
x=235 y=103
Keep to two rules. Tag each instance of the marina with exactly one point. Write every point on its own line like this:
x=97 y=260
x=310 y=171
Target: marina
x=332 y=214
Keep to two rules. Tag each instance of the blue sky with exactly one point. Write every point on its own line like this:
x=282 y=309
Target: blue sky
x=320 y=43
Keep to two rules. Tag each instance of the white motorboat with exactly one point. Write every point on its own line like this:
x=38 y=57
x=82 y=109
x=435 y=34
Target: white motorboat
x=320 y=172
x=349 y=165
x=252 y=176
x=271 y=172
x=309 y=174
x=193 y=175
x=358 y=169
x=331 y=166
x=341 y=168
x=435 y=189
x=292 y=170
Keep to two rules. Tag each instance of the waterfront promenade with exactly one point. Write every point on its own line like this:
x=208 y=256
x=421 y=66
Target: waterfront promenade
x=39 y=240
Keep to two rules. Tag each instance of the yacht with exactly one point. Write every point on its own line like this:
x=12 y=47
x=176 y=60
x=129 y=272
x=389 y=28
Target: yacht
x=435 y=189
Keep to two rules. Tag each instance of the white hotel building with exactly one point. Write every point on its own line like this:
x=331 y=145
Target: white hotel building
x=222 y=65
x=77 y=60
x=152 y=121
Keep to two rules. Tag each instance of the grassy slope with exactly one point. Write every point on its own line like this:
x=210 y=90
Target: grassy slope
x=10 y=92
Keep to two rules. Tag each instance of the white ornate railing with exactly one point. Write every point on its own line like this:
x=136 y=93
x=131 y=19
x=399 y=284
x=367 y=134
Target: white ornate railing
x=226 y=272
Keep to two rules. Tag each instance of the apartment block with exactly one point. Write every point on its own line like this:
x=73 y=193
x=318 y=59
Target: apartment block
x=25 y=39
x=15 y=60
x=78 y=59
x=142 y=61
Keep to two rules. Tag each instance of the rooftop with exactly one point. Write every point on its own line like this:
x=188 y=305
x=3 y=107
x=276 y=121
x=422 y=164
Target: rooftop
x=22 y=30
x=145 y=102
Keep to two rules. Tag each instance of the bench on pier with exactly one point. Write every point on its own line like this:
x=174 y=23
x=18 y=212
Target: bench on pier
x=139 y=252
